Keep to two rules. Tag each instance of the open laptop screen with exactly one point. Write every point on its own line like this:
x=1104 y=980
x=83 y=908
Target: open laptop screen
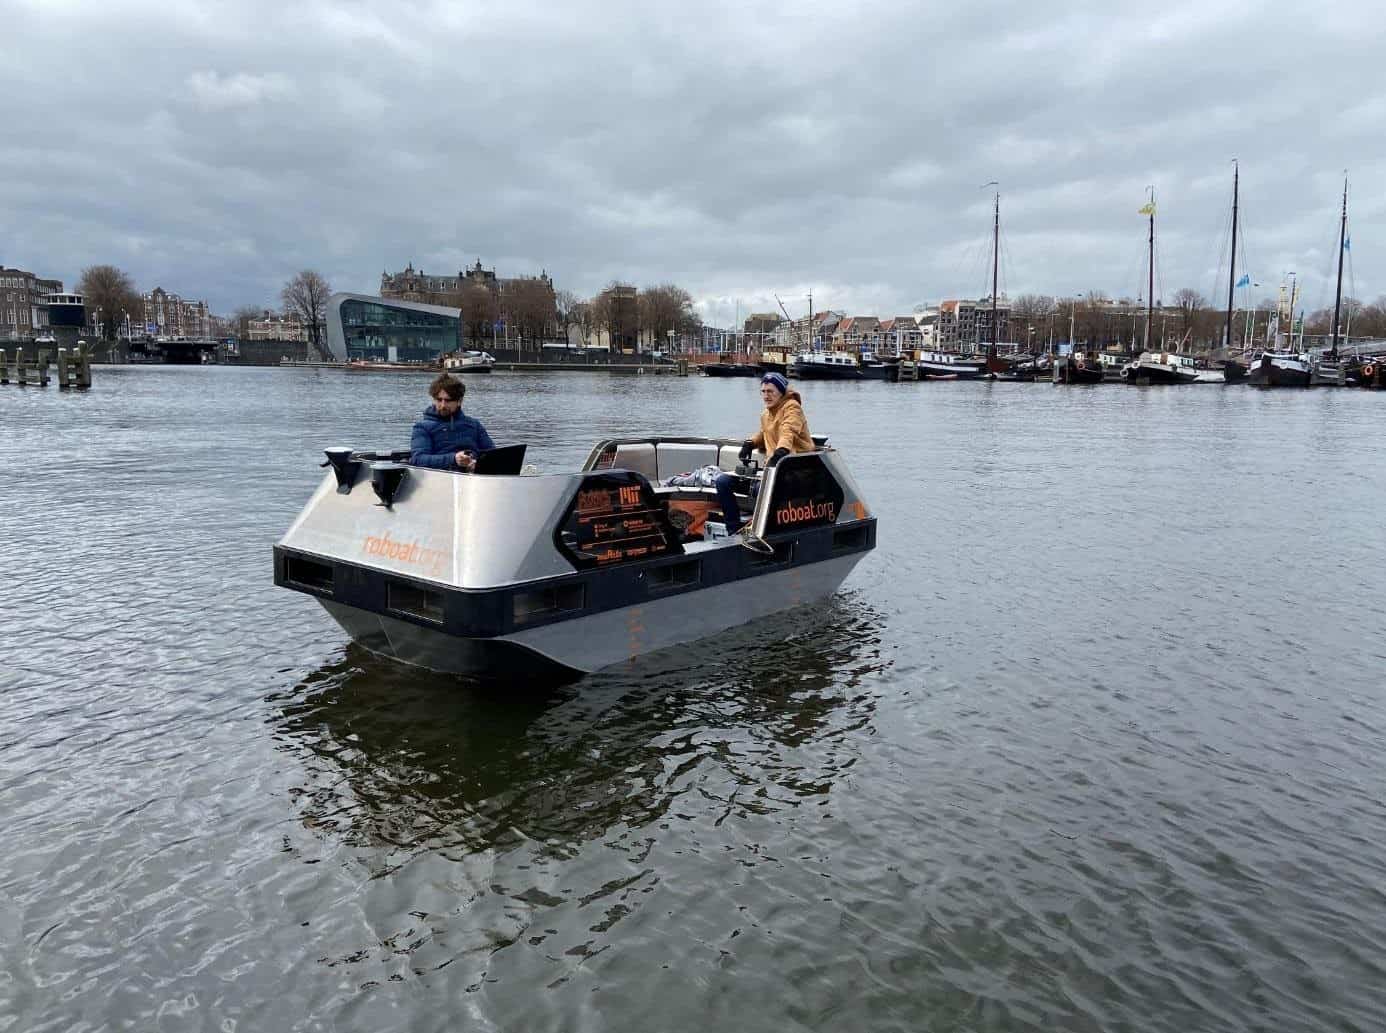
x=508 y=460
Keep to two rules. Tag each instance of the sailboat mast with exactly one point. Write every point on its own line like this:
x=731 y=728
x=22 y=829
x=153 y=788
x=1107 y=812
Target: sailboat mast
x=1232 y=261
x=1150 y=290
x=995 y=263
x=809 y=332
x=1342 y=246
x=1294 y=299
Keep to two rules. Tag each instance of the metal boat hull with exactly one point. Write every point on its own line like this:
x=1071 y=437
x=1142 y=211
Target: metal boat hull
x=1066 y=371
x=1271 y=374
x=730 y=369
x=810 y=371
x=951 y=371
x=590 y=643
x=1233 y=371
x=1160 y=375
x=888 y=371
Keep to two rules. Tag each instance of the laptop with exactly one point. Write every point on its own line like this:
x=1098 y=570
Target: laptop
x=507 y=460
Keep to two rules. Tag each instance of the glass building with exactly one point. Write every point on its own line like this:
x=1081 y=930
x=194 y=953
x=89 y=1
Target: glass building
x=361 y=326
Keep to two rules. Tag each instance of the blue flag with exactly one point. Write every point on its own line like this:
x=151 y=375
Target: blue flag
x=1347 y=243
x=1245 y=281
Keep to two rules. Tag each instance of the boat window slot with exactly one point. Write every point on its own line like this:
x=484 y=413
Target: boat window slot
x=309 y=574
x=403 y=597
x=675 y=575
x=541 y=603
x=849 y=538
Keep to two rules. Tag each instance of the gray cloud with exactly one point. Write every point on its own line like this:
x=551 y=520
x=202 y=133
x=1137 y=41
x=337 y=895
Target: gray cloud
x=740 y=151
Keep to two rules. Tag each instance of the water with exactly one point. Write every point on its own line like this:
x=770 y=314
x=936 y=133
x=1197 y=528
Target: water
x=1091 y=742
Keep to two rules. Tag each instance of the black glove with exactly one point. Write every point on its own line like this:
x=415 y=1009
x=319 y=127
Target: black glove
x=780 y=453
x=746 y=449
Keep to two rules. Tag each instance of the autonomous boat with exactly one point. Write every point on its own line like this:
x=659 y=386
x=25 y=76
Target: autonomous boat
x=509 y=572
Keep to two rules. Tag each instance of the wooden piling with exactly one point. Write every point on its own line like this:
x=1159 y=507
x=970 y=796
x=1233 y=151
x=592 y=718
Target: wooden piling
x=84 y=369
x=63 y=370
x=20 y=370
x=4 y=367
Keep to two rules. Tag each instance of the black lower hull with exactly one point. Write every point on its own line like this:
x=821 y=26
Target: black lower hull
x=1271 y=375
x=881 y=371
x=1233 y=371
x=1152 y=375
x=186 y=353
x=731 y=369
x=1071 y=373
x=942 y=372
x=824 y=373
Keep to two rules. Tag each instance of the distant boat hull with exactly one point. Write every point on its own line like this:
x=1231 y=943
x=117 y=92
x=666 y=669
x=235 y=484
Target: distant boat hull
x=812 y=371
x=880 y=371
x=469 y=362
x=730 y=369
x=1162 y=368
x=825 y=366
x=951 y=371
x=1372 y=374
x=1071 y=371
x=1234 y=371
x=1278 y=371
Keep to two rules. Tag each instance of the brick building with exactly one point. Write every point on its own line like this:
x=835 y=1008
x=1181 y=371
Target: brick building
x=272 y=326
x=168 y=315
x=23 y=310
x=431 y=289
x=964 y=324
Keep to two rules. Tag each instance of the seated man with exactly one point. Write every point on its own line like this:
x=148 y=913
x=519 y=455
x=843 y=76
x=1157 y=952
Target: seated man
x=444 y=438
x=783 y=431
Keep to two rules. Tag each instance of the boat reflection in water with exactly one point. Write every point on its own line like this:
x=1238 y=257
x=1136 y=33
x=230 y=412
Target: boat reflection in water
x=404 y=764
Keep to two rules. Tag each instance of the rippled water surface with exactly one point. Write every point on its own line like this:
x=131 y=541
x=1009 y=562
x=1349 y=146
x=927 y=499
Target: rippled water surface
x=1092 y=741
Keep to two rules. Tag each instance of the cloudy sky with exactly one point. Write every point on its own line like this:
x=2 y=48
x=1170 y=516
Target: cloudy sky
x=736 y=149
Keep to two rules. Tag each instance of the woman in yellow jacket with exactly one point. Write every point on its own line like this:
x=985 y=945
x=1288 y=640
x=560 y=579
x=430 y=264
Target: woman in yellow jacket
x=783 y=431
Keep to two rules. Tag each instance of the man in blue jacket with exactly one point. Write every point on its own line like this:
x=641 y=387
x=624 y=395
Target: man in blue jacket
x=444 y=438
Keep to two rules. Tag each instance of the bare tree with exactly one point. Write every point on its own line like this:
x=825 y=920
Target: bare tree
x=530 y=308
x=1031 y=310
x=565 y=304
x=240 y=320
x=663 y=309
x=582 y=316
x=110 y=297
x=1190 y=304
x=305 y=296
x=1368 y=320
x=479 y=309
x=616 y=310
x=1091 y=322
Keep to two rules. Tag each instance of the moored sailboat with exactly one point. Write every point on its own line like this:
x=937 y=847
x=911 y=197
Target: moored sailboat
x=1152 y=367
x=1328 y=370
x=1234 y=369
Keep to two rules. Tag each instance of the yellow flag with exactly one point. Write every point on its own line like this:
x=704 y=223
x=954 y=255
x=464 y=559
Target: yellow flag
x=1149 y=209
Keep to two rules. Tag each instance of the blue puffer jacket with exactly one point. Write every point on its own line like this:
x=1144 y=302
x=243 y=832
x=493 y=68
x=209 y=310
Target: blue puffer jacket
x=435 y=441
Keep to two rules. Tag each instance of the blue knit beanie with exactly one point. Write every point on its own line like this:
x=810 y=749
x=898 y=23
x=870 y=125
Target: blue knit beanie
x=777 y=380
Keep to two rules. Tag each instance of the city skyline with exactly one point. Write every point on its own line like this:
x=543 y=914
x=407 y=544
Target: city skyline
x=825 y=150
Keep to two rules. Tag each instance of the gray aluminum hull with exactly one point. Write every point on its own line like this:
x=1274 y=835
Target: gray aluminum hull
x=590 y=643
